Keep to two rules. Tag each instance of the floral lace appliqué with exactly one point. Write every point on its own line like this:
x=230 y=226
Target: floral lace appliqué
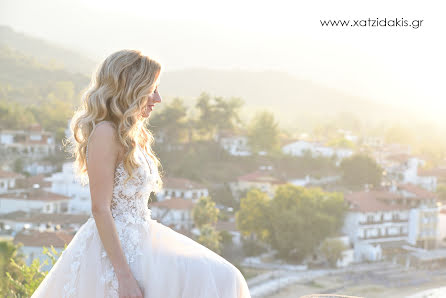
x=129 y=208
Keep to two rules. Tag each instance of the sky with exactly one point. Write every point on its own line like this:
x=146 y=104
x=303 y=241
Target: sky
x=395 y=65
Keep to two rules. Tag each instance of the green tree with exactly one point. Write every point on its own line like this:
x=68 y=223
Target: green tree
x=227 y=112
x=302 y=217
x=19 y=279
x=441 y=192
x=216 y=114
x=205 y=212
x=332 y=249
x=263 y=133
x=8 y=252
x=360 y=169
x=252 y=217
x=171 y=122
x=210 y=238
x=205 y=123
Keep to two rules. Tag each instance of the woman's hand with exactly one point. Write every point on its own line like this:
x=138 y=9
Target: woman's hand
x=129 y=288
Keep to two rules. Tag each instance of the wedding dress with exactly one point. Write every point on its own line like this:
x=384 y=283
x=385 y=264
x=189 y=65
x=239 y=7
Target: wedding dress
x=165 y=263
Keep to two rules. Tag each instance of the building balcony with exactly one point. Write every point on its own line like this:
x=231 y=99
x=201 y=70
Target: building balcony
x=383 y=236
x=379 y=222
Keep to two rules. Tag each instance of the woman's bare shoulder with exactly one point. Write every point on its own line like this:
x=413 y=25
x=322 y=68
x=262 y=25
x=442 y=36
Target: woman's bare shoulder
x=104 y=137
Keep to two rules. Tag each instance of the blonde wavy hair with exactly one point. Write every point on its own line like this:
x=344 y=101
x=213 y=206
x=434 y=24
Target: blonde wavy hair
x=118 y=92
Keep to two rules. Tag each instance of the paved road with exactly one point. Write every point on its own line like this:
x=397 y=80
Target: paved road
x=380 y=273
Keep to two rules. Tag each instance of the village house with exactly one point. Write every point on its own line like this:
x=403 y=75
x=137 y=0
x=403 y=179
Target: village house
x=182 y=188
x=175 y=213
x=33 y=142
x=315 y=149
x=35 y=199
x=402 y=214
x=33 y=242
x=66 y=183
x=261 y=179
x=16 y=221
x=8 y=180
x=234 y=143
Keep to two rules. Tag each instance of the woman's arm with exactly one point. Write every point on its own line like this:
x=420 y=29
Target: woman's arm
x=103 y=154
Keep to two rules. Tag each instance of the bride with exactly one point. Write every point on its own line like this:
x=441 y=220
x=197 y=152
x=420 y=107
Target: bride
x=121 y=251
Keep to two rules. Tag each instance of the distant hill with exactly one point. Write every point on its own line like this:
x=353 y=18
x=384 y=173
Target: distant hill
x=25 y=80
x=46 y=52
x=32 y=63
x=295 y=102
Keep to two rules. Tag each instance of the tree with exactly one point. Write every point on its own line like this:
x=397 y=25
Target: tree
x=302 y=217
x=217 y=114
x=171 y=122
x=361 y=169
x=205 y=212
x=252 y=219
x=18 y=279
x=227 y=112
x=263 y=133
x=205 y=216
x=205 y=124
x=224 y=196
x=332 y=249
x=210 y=238
x=441 y=192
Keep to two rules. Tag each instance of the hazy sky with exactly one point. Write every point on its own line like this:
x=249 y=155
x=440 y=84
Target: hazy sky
x=400 y=65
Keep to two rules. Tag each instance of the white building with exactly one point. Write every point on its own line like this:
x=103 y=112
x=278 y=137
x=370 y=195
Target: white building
x=403 y=214
x=8 y=180
x=373 y=141
x=235 y=143
x=39 y=167
x=16 y=221
x=66 y=184
x=175 y=213
x=182 y=188
x=406 y=169
x=264 y=180
x=34 y=240
x=441 y=233
x=33 y=200
x=315 y=149
x=32 y=142
x=308 y=180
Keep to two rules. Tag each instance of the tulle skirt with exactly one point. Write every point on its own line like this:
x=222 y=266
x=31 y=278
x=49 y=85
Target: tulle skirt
x=165 y=263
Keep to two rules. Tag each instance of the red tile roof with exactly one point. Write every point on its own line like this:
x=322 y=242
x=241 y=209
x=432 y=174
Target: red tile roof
x=372 y=201
x=55 y=218
x=174 y=203
x=378 y=199
x=35 y=127
x=36 y=179
x=7 y=174
x=35 y=195
x=260 y=176
x=419 y=192
x=45 y=238
x=438 y=172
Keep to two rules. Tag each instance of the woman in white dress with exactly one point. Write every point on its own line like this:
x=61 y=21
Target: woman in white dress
x=121 y=251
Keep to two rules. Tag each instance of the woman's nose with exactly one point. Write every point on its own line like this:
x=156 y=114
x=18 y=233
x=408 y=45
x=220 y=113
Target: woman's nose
x=157 y=97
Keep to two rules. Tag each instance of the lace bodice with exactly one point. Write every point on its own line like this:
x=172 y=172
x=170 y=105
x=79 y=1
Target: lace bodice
x=129 y=208
x=130 y=199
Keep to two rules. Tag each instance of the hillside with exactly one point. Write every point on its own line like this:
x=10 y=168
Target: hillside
x=45 y=52
x=32 y=67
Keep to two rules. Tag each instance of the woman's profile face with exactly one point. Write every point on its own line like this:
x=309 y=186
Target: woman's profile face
x=153 y=98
